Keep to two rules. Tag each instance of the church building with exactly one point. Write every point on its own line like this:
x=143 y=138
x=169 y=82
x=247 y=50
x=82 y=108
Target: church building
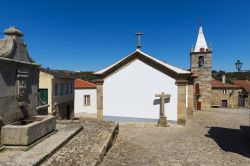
x=201 y=67
x=126 y=90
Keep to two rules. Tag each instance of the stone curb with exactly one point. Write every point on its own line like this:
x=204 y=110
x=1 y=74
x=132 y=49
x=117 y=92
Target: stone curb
x=2 y=148
x=41 y=160
x=107 y=145
x=26 y=148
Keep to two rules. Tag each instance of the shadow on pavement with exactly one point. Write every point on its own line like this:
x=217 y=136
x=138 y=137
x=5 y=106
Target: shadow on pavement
x=232 y=140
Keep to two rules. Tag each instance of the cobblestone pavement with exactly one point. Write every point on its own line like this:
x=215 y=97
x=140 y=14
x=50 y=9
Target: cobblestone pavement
x=84 y=148
x=213 y=138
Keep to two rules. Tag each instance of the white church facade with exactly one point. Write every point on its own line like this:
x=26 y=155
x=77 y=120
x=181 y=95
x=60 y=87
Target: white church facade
x=126 y=90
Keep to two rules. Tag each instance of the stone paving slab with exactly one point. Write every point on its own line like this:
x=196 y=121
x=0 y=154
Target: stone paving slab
x=88 y=147
x=41 y=151
x=219 y=137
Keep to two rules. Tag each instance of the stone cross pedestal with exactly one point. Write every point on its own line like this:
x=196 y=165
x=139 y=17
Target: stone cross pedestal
x=163 y=119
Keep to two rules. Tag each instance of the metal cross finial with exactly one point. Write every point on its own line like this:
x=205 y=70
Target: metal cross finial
x=138 y=34
x=200 y=21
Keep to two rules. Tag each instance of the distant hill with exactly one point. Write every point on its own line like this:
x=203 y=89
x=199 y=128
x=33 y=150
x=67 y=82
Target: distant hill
x=217 y=75
x=88 y=76
x=231 y=76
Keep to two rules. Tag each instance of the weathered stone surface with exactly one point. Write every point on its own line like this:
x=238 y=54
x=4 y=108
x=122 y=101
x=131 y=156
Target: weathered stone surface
x=204 y=77
x=87 y=148
x=9 y=103
x=99 y=90
x=181 y=104
x=16 y=134
x=19 y=77
x=190 y=99
x=210 y=138
x=231 y=96
x=41 y=151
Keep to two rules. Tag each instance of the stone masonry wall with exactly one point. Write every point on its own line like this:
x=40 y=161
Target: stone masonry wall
x=231 y=96
x=9 y=105
x=204 y=77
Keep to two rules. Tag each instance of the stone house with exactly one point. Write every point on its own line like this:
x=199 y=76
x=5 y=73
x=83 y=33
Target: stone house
x=224 y=94
x=57 y=90
x=85 y=99
x=244 y=96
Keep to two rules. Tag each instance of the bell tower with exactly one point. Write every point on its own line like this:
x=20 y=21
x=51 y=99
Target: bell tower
x=201 y=67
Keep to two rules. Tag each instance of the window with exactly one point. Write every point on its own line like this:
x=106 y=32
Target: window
x=201 y=61
x=86 y=100
x=61 y=89
x=56 y=89
x=224 y=91
x=67 y=88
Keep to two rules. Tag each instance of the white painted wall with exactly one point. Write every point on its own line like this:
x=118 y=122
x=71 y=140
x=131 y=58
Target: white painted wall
x=79 y=101
x=130 y=92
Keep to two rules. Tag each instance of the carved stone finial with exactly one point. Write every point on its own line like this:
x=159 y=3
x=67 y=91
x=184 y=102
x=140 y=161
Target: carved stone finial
x=13 y=31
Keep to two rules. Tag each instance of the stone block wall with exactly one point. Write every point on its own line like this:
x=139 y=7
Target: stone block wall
x=9 y=103
x=231 y=96
x=203 y=78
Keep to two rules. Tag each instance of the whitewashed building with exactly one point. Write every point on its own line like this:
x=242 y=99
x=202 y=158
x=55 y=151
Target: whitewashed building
x=126 y=90
x=85 y=99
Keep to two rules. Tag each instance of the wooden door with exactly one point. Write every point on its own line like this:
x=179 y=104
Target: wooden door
x=198 y=105
x=224 y=103
x=241 y=102
x=43 y=93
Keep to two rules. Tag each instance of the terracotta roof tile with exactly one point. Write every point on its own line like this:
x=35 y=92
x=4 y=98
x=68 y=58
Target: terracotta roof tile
x=219 y=85
x=244 y=84
x=81 y=84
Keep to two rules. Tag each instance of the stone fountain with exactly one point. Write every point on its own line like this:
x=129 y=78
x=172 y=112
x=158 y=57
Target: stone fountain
x=20 y=123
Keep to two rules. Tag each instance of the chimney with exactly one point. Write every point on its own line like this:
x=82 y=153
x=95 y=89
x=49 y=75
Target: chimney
x=223 y=79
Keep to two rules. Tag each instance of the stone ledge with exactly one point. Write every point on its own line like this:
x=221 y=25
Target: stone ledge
x=25 y=148
x=16 y=134
x=43 y=150
x=107 y=145
x=88 y=147
x=59 y=146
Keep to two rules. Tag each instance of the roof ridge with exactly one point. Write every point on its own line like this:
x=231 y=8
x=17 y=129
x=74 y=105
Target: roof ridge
x=173 y=68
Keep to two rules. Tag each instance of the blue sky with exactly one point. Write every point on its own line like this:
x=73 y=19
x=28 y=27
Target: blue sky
x=90 y=35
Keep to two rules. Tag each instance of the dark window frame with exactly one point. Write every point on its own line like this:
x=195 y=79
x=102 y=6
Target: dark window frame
x=201 y=61
x=86 y=100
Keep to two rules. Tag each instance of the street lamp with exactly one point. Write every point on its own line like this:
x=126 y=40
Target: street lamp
x=238 y=65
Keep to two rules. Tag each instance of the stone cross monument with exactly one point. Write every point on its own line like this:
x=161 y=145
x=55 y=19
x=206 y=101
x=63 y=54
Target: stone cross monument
x=163 y=119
